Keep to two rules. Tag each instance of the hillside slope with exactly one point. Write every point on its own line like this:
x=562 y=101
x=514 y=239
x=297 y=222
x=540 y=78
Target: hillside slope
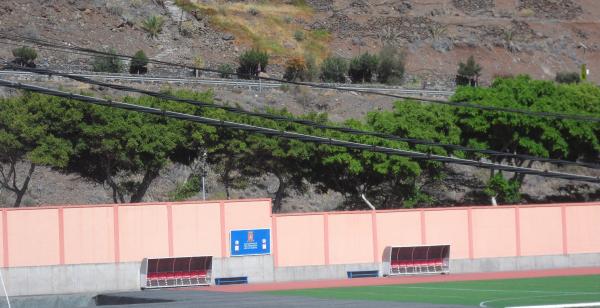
x=509 y=37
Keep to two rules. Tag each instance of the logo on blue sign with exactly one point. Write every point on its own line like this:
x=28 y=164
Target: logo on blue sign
x=250 y=242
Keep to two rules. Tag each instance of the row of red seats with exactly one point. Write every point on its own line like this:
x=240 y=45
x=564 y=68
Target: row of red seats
x=417 y=263
x=176 y=275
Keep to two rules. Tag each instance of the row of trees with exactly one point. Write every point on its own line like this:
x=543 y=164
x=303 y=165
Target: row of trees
x=388 y=67
x=127 y=151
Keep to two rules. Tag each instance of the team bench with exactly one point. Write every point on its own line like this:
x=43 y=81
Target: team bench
x=176 y=272
x=413 y=260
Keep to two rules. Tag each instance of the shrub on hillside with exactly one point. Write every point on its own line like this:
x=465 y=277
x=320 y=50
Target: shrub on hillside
x=567 y=77
x=251 y=63
x=295 y=69
x=468 y=73
x=198 y=65
x=226 y=70
x=333 y=69
x=362 y=67
x=107 y=63
x=312 y=70
x=24 y=56
x=153 y=25
x=139 y=63
x=391 y=65
x=299 y=35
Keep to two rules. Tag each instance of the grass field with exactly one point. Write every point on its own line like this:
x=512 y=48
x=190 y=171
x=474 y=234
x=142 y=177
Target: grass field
x=488 y=293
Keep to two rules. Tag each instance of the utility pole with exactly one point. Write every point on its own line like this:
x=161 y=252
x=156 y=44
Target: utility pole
x=203 y=175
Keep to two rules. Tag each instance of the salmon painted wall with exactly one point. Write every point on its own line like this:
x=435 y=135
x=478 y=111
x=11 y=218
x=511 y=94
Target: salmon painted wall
x=448 y=227
x=196 y=230
x=476 y=232
x=89 y=235
x=583 y=229
x=124 y=233
x=346 y=233
x=245 y=215
x=300 y=240
x=495 y=234
x=398 y=229
x=541 y=231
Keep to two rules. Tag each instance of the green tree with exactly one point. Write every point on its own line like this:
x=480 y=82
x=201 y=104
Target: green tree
x=333 y=69
x=127 y=150
x=288 y=160
x=231 y=159
x=139 y=63
x=414 y=120
x=153 y=25
x=362 y=67
x=35 y=130
x=251 y=63
x=522 y=134
x=503 y=190
x=24 y=56
x=468 y=73
x=108 y=63
x=391 y=65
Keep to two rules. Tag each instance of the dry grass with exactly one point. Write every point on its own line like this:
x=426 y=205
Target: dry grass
x=266 y=25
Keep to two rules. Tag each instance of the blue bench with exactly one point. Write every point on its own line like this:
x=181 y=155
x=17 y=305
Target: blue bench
x=361 y=274
x=231 y=280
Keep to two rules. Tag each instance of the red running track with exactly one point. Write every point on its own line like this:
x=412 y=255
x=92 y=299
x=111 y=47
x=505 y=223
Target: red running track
x=357 y=282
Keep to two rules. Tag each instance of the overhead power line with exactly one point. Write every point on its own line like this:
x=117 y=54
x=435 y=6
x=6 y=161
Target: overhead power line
x=301 y=121
x=563 y=116
x=298 y=136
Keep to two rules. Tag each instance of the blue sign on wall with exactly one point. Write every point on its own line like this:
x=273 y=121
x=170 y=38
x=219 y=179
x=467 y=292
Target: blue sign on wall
x=250 y=242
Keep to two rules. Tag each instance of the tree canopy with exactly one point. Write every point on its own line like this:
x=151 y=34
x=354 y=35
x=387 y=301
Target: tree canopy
x=127 y=151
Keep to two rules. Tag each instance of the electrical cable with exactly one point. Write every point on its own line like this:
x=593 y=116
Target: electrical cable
x=299 y=121
x=298 y=136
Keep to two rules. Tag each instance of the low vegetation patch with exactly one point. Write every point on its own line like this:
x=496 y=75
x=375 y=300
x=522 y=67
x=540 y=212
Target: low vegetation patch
x=271 y=26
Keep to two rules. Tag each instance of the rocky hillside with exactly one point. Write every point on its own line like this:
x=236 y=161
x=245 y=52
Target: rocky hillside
x=537 y=37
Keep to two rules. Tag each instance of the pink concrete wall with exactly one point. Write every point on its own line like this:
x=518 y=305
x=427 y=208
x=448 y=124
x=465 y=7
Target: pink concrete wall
x=583 y=229
x=494 y=233
x=541 y=231
x=143 y=232
x=33 y=237
x=240 y=215
x=89 y=235
x=306 y=247
x=398 y=229
x=448 y=227
x=350 y=238
x=110 y=233
x=196 y=230
x=4 y=244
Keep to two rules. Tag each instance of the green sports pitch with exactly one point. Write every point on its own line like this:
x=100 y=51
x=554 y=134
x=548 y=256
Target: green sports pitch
x=483 y=293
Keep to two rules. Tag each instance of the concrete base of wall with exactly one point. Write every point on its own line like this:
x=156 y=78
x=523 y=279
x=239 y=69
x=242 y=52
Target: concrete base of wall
x=256 y=268
x=334 y=271
x=66 y=279
x=97 y=278
x=524 y=263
